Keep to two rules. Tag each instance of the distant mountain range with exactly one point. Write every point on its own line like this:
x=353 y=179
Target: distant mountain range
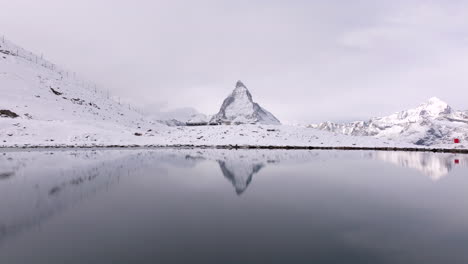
x=433 y=122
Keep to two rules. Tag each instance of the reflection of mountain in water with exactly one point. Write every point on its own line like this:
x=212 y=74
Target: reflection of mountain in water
x=436 y=166
x=36 y=186
x=52 y=182
x=239 y=173
x=238 y=169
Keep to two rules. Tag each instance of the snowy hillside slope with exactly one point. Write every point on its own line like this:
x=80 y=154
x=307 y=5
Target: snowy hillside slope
x=431 y=123
x=239 y=108
x=47 y=98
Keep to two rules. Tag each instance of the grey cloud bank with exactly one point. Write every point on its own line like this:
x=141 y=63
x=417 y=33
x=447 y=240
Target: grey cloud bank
x=305 y=61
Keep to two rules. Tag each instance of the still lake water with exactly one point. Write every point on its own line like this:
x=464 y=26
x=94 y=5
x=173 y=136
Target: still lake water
x=232 y=206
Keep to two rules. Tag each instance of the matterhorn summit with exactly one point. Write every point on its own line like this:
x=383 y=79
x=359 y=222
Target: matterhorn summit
x=239 y=108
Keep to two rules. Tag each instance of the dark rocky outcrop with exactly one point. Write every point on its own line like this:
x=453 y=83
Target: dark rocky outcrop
x=8 y=113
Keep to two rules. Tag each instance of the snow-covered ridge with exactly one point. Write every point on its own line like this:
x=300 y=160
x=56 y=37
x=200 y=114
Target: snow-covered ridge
x=9 y=48
x=52 y=103
x=239 y=108
x=33 y=86
x=431 y=123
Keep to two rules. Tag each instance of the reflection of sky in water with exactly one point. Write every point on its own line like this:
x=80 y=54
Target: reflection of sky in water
x=179 y=206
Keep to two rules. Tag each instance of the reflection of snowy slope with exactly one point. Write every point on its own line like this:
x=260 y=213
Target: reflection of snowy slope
x=42 y=184
x=436 y=166
x=240 y=174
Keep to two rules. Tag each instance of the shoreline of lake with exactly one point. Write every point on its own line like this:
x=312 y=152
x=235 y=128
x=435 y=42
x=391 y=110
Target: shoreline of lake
x=234 y=147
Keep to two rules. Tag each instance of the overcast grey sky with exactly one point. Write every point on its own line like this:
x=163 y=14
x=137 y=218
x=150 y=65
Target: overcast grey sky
x=305 y=61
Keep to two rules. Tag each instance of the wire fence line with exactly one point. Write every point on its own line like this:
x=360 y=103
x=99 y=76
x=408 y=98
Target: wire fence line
x=20 y=52
x=9 y=48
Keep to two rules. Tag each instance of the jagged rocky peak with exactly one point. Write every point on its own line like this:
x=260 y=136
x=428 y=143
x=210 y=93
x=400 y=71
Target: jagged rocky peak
x=241 y=93
x=239 y=108
x=240 y=84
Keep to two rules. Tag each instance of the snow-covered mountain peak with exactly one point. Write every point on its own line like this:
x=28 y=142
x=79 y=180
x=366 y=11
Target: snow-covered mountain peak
x=435 y=100
x=433 y=122
x=241 y=94
x=434 y=107
x=239 y=108
x=240 y=84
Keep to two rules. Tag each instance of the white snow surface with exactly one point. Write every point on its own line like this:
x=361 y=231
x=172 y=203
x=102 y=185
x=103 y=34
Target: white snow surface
x=57 y=109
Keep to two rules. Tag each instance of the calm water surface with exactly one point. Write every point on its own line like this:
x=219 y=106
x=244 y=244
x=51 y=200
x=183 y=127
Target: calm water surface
x=227 y=206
